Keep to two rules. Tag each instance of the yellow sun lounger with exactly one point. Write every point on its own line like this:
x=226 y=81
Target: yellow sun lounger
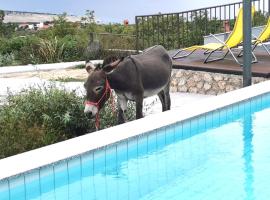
x=263 y=37
x=234 y=40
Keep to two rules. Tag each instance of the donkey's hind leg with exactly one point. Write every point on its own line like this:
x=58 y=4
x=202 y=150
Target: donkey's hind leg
x=161 y=96
x=167 y=97
x=164 y=96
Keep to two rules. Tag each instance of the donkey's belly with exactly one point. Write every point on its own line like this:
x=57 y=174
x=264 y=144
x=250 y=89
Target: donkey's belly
x=147 y=93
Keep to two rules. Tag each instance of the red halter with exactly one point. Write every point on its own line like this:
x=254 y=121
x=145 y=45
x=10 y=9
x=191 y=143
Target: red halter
x=106 y=91
x=97 y=104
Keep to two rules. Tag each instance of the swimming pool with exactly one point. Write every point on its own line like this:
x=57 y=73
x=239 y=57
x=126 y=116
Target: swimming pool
x=219 y=154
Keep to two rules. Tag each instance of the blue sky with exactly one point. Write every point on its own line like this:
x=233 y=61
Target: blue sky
x=109 y=10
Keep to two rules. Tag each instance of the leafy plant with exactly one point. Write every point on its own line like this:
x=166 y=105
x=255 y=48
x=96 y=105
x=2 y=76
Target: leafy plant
x=6 y=59
x=50 y=50
x=74 y=47
x=108 y=115
x=40 y=116
x=62 y=27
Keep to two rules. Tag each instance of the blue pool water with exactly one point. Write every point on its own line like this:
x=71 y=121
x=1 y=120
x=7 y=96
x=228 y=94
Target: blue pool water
x=219 y=155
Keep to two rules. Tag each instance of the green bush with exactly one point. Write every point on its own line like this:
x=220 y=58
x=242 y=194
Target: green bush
x=108 y=114
x=41 y=116
x=6 y=59
x=16 y=43
x=38 y=117
x=3 y=45
x=74 y=47
x=50 y=51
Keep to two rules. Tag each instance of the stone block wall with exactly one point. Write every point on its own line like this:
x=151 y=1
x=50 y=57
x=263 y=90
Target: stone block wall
x=206 y=82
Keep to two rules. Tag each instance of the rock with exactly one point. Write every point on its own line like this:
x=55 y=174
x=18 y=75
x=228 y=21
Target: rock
x=200 y=84
x=222 y=85
x=182 y=82
x=215 y=88
x=229 y=88
x=211 y=92
x=193 y=90
x=201 y=92
x=207 y=77
x=206 y=86
x=173 y=89
x=182 y=89
x=191 y=83
x=220 y=92
x=218 y=77
x=174 y=82
x=237 y=82
x=196 y=78
x=179 y=74
x=258 y=80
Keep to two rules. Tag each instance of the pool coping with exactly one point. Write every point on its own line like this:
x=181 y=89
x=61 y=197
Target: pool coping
x=37 y=158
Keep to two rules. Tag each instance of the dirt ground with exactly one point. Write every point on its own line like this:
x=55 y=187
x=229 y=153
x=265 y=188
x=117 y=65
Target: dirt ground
x=50 y=75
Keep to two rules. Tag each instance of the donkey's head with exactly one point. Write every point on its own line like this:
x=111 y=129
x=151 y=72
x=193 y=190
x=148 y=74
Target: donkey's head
x=97 y=86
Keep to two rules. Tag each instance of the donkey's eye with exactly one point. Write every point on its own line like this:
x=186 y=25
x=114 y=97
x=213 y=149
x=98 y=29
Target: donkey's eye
x=98 y=89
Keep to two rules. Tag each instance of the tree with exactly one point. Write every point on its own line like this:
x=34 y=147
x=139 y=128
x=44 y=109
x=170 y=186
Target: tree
x=89 y=17
x=62 y=27
x=89 y=21
x=2 y=16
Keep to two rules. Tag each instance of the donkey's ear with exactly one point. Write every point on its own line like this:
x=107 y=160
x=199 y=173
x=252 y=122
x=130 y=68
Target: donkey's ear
x=108 y=68
x=115 y=63
x=89 y=67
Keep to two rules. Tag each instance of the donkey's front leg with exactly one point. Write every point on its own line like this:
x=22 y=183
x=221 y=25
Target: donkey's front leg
x=139 y=106
x=122 y=107
x=121 y=116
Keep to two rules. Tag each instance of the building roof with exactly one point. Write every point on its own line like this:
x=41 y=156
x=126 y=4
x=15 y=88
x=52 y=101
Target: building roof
x=34 y=17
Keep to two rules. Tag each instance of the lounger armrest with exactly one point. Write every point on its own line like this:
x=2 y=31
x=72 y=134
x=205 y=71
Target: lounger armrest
x=256 y=39
x=218 y=39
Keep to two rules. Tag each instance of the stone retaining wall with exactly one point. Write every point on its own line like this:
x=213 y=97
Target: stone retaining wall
x=206 y=82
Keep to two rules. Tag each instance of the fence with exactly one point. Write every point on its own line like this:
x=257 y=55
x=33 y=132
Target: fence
x=177 y=30
x=102 y=45
x=116 y=41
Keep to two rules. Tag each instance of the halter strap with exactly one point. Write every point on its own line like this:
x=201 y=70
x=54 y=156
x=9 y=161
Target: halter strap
x=107 y=89
x=97 y=104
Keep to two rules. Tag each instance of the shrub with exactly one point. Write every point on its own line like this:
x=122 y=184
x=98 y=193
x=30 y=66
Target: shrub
x=62 y=27
x=36 y=117
x=50 y=51
x=6 y=59
x=108 y=115
x=74 y=47
x=28 y=53
x=3 y=45
x=16 y=43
